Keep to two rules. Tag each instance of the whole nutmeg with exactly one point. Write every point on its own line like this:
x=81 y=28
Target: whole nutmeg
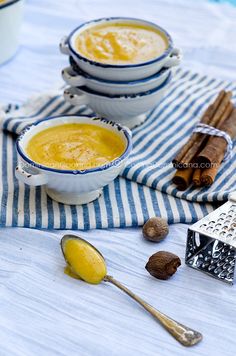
x=163 y=264
x=155 y=229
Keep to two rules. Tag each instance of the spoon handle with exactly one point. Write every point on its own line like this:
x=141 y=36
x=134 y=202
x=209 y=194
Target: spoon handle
x=183 y=334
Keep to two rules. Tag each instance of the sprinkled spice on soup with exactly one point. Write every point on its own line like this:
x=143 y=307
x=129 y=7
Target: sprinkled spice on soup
x=75 y=146
x=121 y=43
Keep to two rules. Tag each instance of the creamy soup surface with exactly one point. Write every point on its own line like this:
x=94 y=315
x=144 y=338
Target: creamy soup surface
x=75 y=146
x=121 y=43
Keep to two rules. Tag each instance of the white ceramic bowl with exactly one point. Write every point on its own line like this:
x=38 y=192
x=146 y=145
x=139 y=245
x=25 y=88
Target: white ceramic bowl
x=128 y=110
x=76 y=77
x=11 y=12
x=171 y=57
x=67 y=186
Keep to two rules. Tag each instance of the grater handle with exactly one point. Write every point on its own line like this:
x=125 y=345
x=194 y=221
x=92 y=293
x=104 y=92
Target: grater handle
x=232 y=197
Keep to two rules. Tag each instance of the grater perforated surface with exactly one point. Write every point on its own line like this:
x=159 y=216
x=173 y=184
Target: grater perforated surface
x=220 y=224
x=211 y=243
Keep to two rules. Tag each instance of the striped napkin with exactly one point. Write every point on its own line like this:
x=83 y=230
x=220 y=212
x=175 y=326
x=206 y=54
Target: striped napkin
x=144 y=188
x=158 y=140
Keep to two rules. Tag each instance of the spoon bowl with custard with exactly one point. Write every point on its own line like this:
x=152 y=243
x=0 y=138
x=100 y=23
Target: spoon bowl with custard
x=120 y=48
x=86 y=263
x=74 y=157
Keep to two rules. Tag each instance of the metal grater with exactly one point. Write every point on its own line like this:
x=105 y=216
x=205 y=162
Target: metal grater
x=211 y=243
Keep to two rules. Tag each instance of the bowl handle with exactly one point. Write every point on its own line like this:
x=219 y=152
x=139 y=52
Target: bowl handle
x=29 y=178
x=63 y=46
x=174 y=59
x=75 y=98
x=71 y=78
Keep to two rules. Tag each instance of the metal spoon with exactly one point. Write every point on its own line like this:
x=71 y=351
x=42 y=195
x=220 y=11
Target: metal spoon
x=182 y=333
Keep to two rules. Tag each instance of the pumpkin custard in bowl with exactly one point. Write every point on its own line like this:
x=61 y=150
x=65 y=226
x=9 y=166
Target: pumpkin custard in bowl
x=121 y=43
x=73 y=156
x=75 y=147
x=120 y=48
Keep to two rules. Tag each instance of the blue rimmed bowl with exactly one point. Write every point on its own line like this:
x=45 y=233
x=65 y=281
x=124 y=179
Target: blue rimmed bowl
x=67 y=186
x=11 y=13
x=118 y=72
x=129 y=110
x=75 y=77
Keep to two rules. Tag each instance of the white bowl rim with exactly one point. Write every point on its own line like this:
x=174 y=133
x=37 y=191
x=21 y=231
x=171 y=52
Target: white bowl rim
x=93 y=92
x=115 y=162
x=8 y=3
x=118 y=66
x=75 y=67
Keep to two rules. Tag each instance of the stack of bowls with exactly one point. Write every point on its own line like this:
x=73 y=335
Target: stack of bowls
x=124 y=93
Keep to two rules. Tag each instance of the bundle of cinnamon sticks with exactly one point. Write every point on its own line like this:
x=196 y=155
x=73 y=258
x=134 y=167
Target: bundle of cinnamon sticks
x=199 y=160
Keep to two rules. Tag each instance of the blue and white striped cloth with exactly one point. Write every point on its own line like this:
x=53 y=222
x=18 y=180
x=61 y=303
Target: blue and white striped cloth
x=144 y=188
x=168 y=127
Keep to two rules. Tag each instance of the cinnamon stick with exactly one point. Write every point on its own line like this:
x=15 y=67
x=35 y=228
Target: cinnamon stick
x=182 y=178
x=202 y=138
x=206 y=117
x=208 y=175
x=213 y=152
x=197 y=177
x=228 y=111
x=221 y=108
